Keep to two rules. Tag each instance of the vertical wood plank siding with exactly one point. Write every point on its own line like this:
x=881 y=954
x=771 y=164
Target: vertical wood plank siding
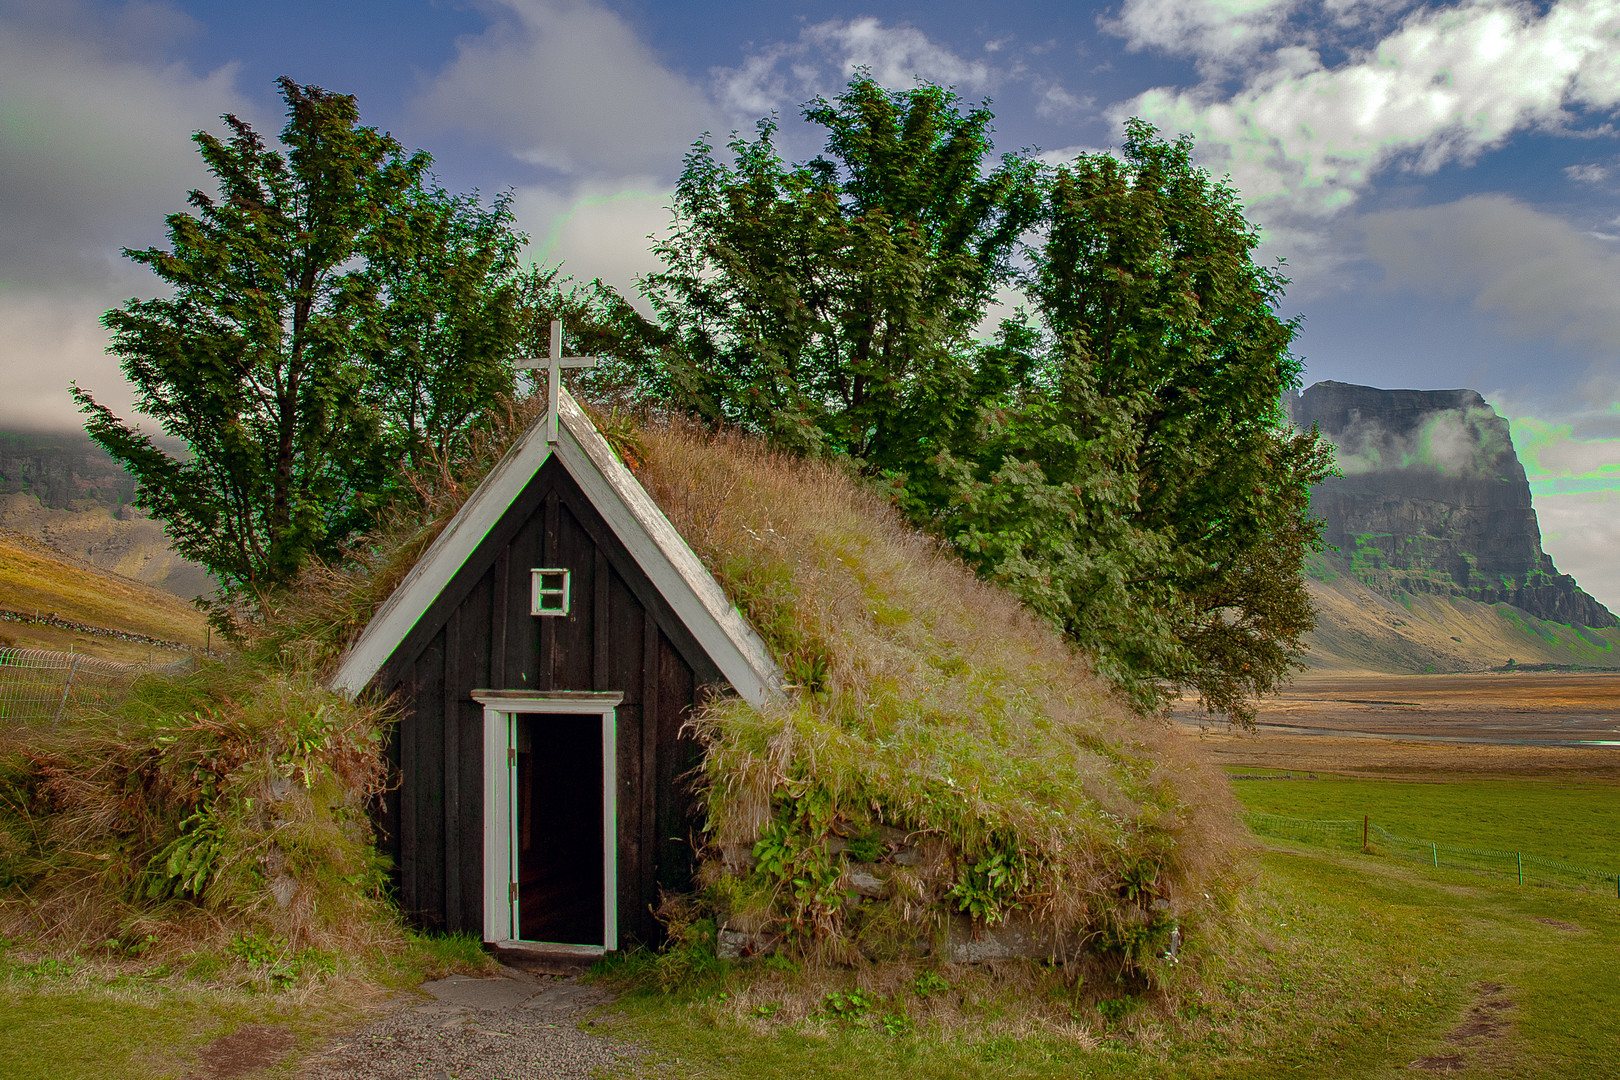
x=619 y=635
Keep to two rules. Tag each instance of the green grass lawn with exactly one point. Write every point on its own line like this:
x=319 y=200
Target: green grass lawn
x=56 y=1030
x=1333 y=965
x=92 y=1019
x=1341 y=965
x=76 y=1028
x=1576 y=822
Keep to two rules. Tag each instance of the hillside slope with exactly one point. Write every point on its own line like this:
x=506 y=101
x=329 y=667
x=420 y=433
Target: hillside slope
x=1363 y=628
x=933 y=706
x=33 y=578
x=122 y=541
x=60 y=487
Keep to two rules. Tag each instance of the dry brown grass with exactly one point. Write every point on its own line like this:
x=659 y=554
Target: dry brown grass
x=32 y=578
x=224 y=807
x=931 y=703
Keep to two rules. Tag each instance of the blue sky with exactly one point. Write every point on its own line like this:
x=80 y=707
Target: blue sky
x=1442 y=178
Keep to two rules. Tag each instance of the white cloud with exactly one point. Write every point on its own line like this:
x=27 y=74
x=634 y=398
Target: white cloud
x=567 y=85
x=1453 y=442
x=1055 y=103
x=1301 y=138
x=1540 y=278
x=47 y=340
x=819 y=63
x=95 y=150
x=1065 y=155
x=1365 y=12
x=596 y=229
x=1582 y=532
x=1219 y=31
x=1587 y=173
x=897 y=55
x=1570 y=450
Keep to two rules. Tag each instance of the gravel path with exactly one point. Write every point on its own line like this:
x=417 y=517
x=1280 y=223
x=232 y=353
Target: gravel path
x=507 y=1027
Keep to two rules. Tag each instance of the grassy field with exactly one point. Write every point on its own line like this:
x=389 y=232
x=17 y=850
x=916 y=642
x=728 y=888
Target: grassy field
x=1334 y=965
x=1342 y=966
x=1337 y=964
x=68 y=1032
x=95 y=1018
x=1576 y=822
x=31 y=579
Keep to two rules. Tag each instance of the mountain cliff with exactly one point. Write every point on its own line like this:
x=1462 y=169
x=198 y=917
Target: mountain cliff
x=1433 y=500
x=61 y=489
x=62 y=469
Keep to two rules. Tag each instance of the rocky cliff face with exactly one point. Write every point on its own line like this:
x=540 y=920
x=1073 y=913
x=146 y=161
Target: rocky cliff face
x=1433 y=500
x=64 y=490
x=63 y=470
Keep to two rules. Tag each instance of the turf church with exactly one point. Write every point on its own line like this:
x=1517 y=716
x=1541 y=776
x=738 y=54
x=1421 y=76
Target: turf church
x=548 y=647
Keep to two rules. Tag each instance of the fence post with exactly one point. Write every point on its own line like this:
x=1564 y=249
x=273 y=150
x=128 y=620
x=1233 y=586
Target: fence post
x=1521 y=867
x=1435 y=848
x=1366 y=823
x=67 y=686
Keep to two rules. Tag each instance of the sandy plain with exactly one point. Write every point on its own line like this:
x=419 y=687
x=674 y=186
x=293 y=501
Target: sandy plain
x=1538 y=724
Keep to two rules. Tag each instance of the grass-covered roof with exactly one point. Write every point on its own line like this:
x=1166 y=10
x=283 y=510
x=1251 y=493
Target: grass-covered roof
x=940 y=738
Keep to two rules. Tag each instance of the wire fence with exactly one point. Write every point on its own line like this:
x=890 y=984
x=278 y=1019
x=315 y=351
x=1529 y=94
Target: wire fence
x=36 y=684
x=1366 y=835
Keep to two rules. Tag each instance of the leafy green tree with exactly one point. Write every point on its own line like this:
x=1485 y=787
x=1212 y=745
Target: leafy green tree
x=439 y=340
x=1120 y=459
x=828 y=304
x=331 y=315
x=1139 y=484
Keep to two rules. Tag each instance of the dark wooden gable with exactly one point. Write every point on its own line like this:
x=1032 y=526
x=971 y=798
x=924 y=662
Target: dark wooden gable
x=620 y=635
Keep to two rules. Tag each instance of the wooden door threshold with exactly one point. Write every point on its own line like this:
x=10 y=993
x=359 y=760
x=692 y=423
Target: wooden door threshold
x=546 y=958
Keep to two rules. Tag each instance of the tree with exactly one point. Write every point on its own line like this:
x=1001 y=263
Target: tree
x=1121 y=460
x=828 y=304
x=439 y=343
x=1140 y=484
x=332 y=314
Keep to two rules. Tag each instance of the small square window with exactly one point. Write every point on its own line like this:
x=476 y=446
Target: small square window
x=548 y=592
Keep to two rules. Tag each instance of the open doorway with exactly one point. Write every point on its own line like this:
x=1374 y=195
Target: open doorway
x=559 y=829
x=550 y=820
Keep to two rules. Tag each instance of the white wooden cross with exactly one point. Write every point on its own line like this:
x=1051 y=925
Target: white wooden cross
x=554 y=364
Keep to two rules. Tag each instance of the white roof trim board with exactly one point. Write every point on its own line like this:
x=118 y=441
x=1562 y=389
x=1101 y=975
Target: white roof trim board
x=675 y=571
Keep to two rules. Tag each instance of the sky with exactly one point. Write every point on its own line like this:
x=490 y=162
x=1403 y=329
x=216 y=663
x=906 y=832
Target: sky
x=1441 y=179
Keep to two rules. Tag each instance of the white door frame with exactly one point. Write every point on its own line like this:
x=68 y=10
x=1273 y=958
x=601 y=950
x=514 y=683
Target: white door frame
x=500 y=814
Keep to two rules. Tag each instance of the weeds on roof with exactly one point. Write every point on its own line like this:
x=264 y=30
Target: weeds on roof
x=224 y=811
x=945 y=767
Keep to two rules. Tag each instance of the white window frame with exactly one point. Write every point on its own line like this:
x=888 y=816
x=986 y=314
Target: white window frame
x=501 y=707
x=538 y=590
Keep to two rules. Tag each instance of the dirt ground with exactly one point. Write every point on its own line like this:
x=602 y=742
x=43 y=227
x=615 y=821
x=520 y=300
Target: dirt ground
x=1549 y=724
x=510 y=1024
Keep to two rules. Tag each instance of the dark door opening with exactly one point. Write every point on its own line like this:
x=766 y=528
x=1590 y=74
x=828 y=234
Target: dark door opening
x=560 y=847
